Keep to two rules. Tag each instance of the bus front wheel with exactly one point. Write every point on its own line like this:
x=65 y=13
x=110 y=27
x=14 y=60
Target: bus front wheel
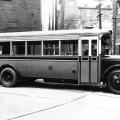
x=113 y=81
x=8 y=77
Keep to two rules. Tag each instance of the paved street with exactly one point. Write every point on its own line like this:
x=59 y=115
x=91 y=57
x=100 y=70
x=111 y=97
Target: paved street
x=47 y=102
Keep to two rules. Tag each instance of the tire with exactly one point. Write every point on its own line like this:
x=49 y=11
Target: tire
x=8 y=77
x=113 y=81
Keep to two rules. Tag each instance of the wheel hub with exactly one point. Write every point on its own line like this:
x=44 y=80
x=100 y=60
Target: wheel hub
x=116 y=79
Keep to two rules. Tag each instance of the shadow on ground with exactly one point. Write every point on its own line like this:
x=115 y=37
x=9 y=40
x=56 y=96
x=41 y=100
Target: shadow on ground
x=38 y=84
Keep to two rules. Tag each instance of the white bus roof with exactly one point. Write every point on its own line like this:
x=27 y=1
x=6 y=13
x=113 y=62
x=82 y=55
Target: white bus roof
x=49 y=35
x=56 y=32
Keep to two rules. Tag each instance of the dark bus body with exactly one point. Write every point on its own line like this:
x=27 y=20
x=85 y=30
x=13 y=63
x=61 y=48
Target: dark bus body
x=108 y=63
x=44 y=67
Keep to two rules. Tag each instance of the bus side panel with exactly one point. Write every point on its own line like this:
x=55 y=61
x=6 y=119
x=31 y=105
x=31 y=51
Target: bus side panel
x=84 y=72
x=60 y=69
x=44 y=68
x=26 y=68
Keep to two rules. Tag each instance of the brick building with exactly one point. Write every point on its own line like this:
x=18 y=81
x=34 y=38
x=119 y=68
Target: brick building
x=20 y=15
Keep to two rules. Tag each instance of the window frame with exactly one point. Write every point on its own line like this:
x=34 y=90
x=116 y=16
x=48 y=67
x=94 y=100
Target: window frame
x=55 y=48
x=69 y=45
x=20 y=54
x=34 y=47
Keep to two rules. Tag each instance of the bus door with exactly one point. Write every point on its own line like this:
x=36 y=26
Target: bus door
x=94 y=59
x=89 y=60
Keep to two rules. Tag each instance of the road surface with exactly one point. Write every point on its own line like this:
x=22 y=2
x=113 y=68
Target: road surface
x=51 y=102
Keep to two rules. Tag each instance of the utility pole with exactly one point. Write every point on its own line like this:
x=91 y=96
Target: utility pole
x=49 y=21
x=99 y=13
x=56 y=15
x=40 y=15
x=53 y=14
x=99 y=16
x=62 y=13
x=114 y=24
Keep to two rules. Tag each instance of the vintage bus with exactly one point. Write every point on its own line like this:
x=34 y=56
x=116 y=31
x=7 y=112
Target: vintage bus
x=76 y=57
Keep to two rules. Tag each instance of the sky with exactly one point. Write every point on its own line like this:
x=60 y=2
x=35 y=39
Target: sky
x=90 y=3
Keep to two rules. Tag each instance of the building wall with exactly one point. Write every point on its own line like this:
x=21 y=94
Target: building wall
x=20 y=15
x=89 y=17
x=69 y=16
x=76 y=17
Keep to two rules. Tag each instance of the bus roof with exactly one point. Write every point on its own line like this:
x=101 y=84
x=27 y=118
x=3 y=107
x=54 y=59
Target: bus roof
x=84 y=32
x=49 y=35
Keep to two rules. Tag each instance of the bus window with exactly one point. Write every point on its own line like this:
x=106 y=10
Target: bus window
x=94 y=48
x=69 y=47
x=34 y=48
x=51 y=48
x=5 y=48
x=85 y=48
x=18 y=48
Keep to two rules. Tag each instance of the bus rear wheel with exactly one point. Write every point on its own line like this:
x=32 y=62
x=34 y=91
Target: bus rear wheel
x=113 y=81
x=8 y=77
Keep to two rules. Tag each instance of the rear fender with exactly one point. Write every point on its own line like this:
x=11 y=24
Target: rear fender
x=11 y=66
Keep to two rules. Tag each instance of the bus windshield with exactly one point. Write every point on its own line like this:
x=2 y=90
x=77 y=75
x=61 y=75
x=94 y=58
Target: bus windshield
x=106 y=44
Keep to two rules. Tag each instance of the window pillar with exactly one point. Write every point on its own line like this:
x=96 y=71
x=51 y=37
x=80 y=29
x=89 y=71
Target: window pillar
x=42 y=47
x=25 y=48
x=11 y=50
x=59 y=47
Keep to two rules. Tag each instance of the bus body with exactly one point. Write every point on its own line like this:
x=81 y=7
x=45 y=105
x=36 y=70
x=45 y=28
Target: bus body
x=65 y=56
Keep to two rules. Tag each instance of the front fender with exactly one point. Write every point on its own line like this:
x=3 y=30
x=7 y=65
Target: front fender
x=110 y=69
